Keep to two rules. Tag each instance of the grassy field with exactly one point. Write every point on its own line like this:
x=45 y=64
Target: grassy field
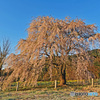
x=61 y=93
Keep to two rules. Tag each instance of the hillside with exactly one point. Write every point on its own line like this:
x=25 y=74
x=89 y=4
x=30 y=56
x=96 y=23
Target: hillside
x=70 y=72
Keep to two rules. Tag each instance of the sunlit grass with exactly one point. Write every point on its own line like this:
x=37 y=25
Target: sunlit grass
x=61 y=93
x=50 y=84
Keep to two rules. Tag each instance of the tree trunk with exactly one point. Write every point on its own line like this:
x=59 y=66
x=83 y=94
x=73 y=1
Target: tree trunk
x=0 y=71
x=63 y=78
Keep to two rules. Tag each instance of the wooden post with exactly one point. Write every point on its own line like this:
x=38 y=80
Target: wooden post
x=17 y=86
x=55 y=84
x=0 y=89
x=83 y=82
x=92 y=82
x=89 y=80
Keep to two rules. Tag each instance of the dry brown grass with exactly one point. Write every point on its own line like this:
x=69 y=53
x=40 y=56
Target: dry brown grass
x=61 y=93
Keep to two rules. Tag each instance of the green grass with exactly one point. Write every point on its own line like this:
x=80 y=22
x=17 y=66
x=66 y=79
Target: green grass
x=49 y=84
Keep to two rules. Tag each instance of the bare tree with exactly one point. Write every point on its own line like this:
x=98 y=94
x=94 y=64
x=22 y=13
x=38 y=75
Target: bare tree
x=49 y=38
x=4 y=51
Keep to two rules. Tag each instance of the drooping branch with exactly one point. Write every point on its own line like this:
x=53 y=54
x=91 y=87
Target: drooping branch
x=48 y=38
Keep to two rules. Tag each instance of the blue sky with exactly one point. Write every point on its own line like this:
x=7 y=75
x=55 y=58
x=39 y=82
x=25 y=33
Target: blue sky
x=15 y=15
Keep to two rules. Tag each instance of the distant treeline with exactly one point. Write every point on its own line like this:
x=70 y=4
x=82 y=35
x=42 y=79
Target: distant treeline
x=70 y=72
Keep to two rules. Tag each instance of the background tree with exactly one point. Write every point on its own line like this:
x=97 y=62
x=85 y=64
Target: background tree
x=53 y=40
x=4 y=51
x=95 y=55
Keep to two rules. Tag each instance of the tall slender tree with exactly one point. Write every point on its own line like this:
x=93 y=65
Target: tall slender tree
x=4 y=51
